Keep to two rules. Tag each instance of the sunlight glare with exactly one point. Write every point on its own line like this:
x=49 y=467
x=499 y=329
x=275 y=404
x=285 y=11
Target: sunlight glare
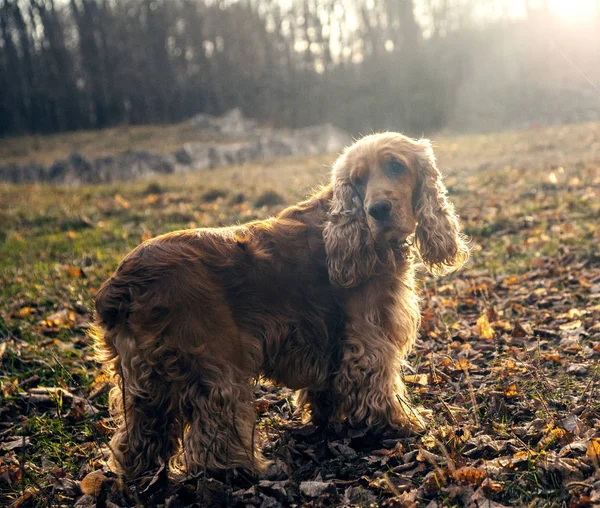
x=575 y=11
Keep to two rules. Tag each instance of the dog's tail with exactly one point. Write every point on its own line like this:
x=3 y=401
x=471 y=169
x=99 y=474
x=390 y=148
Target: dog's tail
x=113 y=301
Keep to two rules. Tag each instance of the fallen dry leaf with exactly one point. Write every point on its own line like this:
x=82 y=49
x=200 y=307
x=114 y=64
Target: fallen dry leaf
x=24 y=312
x=92 y=483
x=593 y=449
x=121 y=202
x=484 y=329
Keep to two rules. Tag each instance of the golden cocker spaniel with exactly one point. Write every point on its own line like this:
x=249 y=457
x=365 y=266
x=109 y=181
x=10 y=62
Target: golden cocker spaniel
x=320 y=298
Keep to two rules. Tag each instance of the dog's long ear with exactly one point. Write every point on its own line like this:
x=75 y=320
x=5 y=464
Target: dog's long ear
x=349 y=245
x=441 y=246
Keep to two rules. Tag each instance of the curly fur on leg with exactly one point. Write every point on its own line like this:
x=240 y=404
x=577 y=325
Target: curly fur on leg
x=371 y=391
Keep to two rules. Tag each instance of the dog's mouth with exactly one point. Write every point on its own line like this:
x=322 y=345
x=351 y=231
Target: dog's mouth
x=388 y=233
x=399 y=244
x=393 y=235
x=397 y=240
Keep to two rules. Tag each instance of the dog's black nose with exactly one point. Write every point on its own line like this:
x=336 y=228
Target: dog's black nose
x=380 y=210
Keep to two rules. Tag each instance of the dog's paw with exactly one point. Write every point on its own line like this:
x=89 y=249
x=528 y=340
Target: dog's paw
x=411 y=419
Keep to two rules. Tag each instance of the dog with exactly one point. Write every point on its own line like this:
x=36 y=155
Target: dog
x=320 y=298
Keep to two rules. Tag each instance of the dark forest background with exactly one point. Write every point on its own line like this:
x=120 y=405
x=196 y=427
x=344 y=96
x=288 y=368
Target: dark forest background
x=364 y=64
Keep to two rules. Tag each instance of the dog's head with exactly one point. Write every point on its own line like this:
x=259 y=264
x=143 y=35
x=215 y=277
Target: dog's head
x=385 y=188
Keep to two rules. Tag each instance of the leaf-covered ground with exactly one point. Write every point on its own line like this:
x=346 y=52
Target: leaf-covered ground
x=507 y=361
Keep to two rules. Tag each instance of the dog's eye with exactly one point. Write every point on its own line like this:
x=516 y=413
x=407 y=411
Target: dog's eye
x=396 y=168
x=359 y=181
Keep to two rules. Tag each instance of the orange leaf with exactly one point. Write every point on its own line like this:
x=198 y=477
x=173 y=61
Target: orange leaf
x=512 y=390
x=593 y=449
x=449 y=303
x=75 y=271
x=463 y=364
x=146 y=235
x=484 y=329
x=554 y=357
x=24 y=312
x=469 y=475
x=151 y=199
x=479 y=289
x=501 y=325
x=522 y=456
x=63 y=317
x=122 y=202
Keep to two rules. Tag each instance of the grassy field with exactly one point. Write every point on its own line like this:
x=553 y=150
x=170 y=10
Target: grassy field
x=507 y=360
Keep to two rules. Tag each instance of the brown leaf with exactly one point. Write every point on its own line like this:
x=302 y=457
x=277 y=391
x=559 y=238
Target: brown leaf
x=434 y=481
x=15 y=443
x=477 y=290
x=492 y=314
x=432 y=458
x=69 y=486
x=24 y=500
x=478 y=499
x=316 y=488
x=9 y=387
x=10 y=473
x=103 y=429
x=470 y=475
x=92 y=483
x=519 y=330
x=261 y=406
x=491 y=485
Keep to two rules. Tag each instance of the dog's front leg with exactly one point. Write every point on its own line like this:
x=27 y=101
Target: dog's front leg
x=368 y=383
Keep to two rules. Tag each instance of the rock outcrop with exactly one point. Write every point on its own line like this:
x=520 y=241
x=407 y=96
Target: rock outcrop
x=241 y=142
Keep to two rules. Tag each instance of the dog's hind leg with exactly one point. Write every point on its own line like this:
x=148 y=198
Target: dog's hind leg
x=220 y=424
x=147 y=436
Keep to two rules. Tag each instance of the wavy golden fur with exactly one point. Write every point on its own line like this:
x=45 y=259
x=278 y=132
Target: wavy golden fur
x=320 y=298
